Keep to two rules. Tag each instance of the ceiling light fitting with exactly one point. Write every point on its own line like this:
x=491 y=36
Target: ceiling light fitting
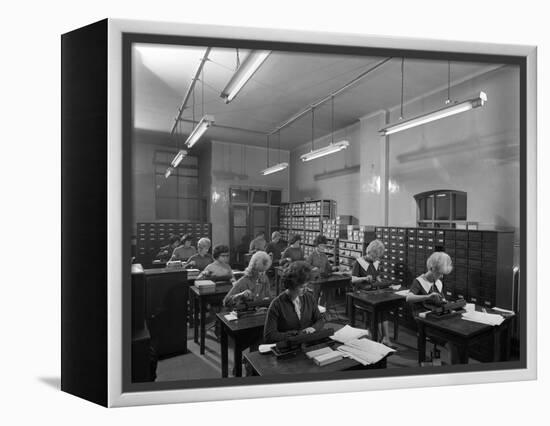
x=274 y=169
x=199 y=130
x=245 y=71
x=447 y=111
x=326 y=150
x=178 y=158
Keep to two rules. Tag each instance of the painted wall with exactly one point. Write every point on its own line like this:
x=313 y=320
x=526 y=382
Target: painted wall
x=476 y=152
x=234 y=165
x=334 y=177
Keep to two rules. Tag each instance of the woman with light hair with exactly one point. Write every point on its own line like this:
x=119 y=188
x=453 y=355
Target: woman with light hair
x=202 y=259
x=428 y=286
x=254 y=284
x=365 y=271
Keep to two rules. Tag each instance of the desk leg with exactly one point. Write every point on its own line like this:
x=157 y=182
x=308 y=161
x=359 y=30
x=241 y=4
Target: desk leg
x=498 y=349
x=195 y=319
x=203 y=323
x=463 y=352
x=396 y=324
x=238 y=359
x=351 y=307
x=374 y=324
x=421 y=343
x=224 y=349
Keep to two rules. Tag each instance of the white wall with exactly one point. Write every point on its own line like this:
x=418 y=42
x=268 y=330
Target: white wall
x=476 y=152
x=235 y=165
x=344 y=188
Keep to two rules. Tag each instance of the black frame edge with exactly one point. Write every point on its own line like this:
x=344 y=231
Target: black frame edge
x=84 y=212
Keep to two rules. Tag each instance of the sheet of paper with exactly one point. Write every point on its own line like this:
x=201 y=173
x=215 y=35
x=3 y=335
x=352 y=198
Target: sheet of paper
x=266 y=348
x=506 y=311
x=483 y=318
x=231 y=316
x=365 y=351
x=348 y=333
x=470 y=307
x=402 y=292
x=322 y=309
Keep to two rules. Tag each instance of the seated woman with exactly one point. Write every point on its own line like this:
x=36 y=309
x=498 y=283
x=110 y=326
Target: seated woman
x=318 y=260
x=185 y=250
x=202 y=259
x=165 y=252
x=429 y=288
x=294 y=311
x=258 y=243
x=219 y=270
x=365 y=272
x=293 y=252
x=254 y=285
x=275 y=247
x=365 y=269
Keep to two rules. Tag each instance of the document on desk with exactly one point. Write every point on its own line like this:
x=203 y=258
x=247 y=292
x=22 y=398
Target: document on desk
x=266 y=348
x=483 y=318
x=347 y=333
x=231 y=316
x=365 y=351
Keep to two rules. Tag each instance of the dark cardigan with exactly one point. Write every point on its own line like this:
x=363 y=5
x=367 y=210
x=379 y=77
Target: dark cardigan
x=282 y=322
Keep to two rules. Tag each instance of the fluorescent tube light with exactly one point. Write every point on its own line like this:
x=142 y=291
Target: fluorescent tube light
x=199 y=130
x=247 y=69
x=168 y=172
x=436 y=115
x=321 y=152
x=178 y=158
x=274 y=169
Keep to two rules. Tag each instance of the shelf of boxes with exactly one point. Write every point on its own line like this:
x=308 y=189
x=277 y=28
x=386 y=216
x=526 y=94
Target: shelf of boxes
x=305 y=218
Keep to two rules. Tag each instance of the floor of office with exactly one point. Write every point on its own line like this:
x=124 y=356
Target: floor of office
x=193 y=365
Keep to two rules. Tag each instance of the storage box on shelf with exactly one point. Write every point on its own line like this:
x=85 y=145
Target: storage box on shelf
x=305 y=217
x=151 y=236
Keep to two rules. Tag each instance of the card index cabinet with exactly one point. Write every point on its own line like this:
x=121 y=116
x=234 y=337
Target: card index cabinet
x=482 y=261
x=151 y=236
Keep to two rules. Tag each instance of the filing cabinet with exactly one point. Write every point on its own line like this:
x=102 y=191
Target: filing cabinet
x=151 y=236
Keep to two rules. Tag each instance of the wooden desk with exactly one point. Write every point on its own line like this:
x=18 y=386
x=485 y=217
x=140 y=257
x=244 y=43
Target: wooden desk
x=244 y=332
x=166 y=310
x=199 y=309
x=462 y=333
x=269 y=365
x=376 y=302
x=328 y=285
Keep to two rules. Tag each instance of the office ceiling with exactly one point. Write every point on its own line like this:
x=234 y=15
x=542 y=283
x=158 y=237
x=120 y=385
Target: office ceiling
x=285 y=84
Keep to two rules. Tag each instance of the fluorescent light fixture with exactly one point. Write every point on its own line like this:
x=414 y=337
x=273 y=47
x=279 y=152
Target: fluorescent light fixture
x=274 y=169
x=199 y=130
x=321 y=152
x=178 y=158
x=436 y=115
x=168 y=172
x=247 y=69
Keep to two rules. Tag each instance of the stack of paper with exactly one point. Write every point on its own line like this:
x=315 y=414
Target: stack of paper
x=265 y=348
x=205 y=286
x=327 y=358
x=483 y=317
x=347 y=333
x=504 y=311
x=365 y=351
x=174 y=264
x=231 y=316
x=324 y=356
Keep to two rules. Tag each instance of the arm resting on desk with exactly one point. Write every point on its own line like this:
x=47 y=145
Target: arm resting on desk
x=271 y=331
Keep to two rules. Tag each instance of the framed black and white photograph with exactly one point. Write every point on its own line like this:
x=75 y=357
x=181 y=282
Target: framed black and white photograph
x=286 y=213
